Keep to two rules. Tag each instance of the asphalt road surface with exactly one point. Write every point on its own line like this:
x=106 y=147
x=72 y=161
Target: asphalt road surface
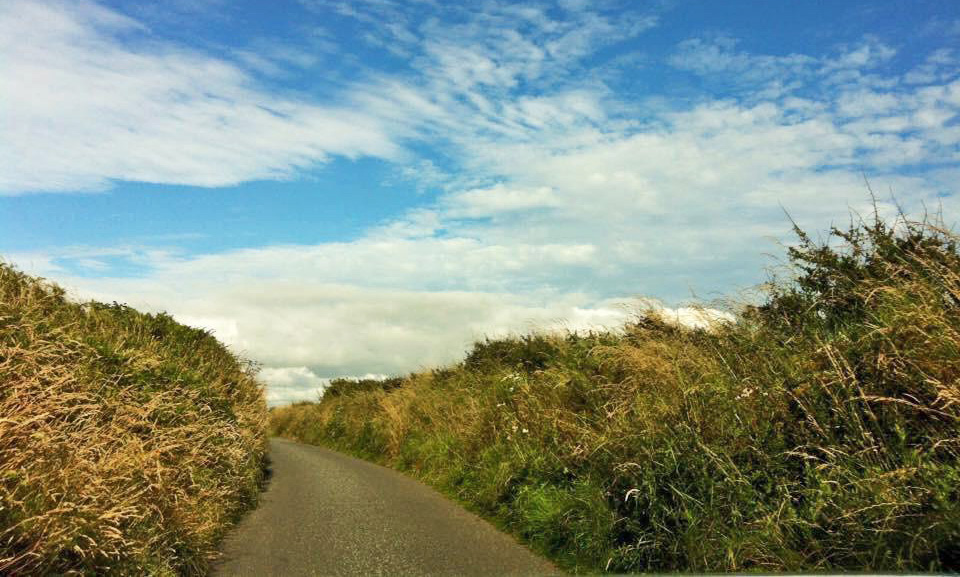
x=325 y=513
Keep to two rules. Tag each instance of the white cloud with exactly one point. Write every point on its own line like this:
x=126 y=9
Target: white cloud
x=697 y=317
x=719 y=56
x=93 y=97
x=291 y=384
x=478 y=203
x=939 y=66
x=868 y=54
x=340 y=329
x=764 y=76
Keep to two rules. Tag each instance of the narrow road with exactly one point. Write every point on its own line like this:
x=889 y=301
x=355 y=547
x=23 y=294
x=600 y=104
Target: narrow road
x=325 y=513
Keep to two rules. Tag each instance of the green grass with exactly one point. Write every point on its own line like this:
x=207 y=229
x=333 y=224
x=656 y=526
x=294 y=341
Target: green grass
x=128 y=442
x=818 y=432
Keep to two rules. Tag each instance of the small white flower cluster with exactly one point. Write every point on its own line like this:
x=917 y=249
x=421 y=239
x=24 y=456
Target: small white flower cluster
x=516 y=427
x=747 y=391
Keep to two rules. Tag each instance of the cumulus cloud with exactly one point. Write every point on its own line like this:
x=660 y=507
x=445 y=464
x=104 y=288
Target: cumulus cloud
x=291 y=384
x=339 y=329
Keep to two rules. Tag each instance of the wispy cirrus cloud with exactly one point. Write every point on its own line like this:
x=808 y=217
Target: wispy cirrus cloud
x=98 y=98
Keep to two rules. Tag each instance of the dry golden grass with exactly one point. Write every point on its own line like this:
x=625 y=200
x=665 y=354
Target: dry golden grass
x=127 y=442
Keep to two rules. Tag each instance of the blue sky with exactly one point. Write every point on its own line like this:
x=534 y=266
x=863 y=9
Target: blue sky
x=349 y=188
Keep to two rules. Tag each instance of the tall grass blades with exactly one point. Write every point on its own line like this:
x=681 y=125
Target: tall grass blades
x=818 y=431
x=128 y=442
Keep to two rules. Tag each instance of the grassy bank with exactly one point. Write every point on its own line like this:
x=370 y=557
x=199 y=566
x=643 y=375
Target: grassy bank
x=128 y=442
x=820 y=431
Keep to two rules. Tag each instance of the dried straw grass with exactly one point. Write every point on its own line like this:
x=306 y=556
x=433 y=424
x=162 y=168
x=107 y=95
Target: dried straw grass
x=127 y=442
